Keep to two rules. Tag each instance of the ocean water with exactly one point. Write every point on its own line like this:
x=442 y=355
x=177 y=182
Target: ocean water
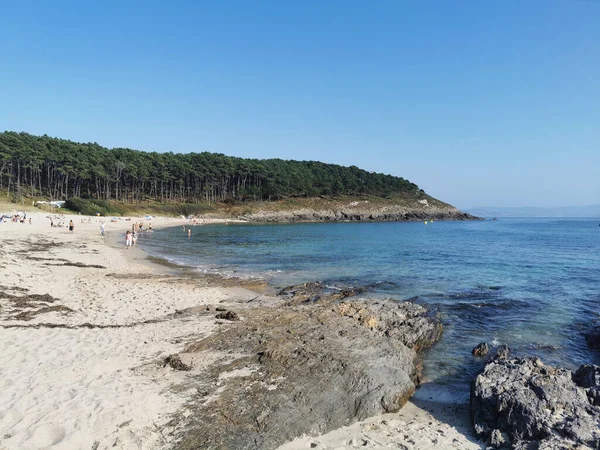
x=533 y=284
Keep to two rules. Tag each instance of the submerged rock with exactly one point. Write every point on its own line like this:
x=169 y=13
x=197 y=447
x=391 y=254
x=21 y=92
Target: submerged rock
x=481 y=349
x=592 y=337
x=536 y=405
x=304 y=368
x=316 y=292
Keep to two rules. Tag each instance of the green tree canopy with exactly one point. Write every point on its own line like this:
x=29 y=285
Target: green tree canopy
x=62 y=169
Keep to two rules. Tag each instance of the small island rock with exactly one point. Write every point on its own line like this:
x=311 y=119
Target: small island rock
x=481 y=349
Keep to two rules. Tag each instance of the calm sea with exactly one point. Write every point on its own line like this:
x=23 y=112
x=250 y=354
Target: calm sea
x=532 y=284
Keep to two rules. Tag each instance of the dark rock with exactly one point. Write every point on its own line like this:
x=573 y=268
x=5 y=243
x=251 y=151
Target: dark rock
x=536 y=405
x=481 y=349
x=502 y=352
x=588 y=377
x=220 y=308
x=227 y=315
x=592 y=337
x=309 y=368
x=174 y=361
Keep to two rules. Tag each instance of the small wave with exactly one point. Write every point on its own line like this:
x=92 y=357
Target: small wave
x=169 y=260
x=227 y=273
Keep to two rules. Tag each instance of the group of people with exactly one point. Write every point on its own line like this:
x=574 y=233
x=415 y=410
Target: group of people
x=15 y=218
x=189 y=230
x=140 y=227
x=58 y=221
x=131 y=236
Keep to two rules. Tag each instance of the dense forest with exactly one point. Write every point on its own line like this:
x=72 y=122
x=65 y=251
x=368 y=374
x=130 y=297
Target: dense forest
x=60 y=169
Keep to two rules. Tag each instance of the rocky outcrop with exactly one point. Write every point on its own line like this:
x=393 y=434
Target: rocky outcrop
x=588 y=377
x=310 y=365
x=383 y=214
x=502 y=352
x=525 y=404
x=481 y=349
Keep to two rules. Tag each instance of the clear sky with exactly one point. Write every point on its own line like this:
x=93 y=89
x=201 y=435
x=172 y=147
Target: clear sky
x=480 y=103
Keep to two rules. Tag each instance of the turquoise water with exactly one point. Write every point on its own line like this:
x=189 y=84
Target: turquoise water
x=532 y=284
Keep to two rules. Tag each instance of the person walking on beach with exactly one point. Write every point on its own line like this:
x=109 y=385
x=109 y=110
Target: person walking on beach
x=71 y=226
x=128 y=239
x=102 y=229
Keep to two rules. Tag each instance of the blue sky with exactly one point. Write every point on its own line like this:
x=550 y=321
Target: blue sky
x=480 y=103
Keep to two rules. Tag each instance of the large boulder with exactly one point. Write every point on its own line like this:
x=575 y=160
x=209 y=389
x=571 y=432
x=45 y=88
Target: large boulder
x=533 y=405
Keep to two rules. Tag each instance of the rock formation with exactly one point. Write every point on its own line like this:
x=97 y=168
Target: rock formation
x=481 y=349
x=350 y=214
x=525 y=404
x=309 y=365
x=502 y=352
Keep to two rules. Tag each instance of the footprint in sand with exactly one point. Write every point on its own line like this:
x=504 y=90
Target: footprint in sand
x=47 y=435
x=10 y=419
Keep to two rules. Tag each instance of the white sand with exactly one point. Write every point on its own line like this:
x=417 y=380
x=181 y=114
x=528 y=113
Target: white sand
x=431 y=426
x=100 y=388
x=73 y=388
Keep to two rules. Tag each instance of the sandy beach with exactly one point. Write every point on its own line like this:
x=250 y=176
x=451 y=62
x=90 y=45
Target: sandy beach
x=85 y=327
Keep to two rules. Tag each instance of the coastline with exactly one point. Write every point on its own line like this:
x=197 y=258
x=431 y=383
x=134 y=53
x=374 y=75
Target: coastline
x=84 y=366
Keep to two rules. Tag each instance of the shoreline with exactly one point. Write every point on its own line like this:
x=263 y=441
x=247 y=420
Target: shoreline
x=136 y=304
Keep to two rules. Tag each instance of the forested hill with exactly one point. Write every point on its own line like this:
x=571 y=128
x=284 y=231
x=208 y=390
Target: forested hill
x=61 y=169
